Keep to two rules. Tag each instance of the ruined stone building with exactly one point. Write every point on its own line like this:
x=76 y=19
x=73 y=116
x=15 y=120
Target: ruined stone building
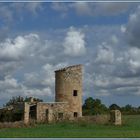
x=68 y=98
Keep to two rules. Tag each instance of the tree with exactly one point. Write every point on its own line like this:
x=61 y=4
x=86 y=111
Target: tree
x=88 y=103
x=19 y=99
x=128 y=109
x=14 y=101
x=114 y=107
x=88 y=106
x=93 y=106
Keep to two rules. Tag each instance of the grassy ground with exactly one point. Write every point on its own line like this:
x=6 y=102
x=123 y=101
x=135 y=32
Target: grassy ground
x=130 y=128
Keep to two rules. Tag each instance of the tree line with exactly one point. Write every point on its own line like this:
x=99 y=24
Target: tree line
x=95 y=106
x=90 y=107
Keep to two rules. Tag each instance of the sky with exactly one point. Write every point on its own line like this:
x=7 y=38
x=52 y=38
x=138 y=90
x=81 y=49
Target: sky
x=37 y=38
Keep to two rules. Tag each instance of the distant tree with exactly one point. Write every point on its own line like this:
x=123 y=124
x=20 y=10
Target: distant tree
x=19 y=99
x=88 y=106
x=14 y=101
x=93 y=106
x=88 y=103
x=114 y=107
x=28 y=99
x=128 y=108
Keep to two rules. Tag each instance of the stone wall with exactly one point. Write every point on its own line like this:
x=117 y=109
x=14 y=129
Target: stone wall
x=49 y=112
x=26 y=113
x=67 y=81
x=68 y=98
x=115 y=117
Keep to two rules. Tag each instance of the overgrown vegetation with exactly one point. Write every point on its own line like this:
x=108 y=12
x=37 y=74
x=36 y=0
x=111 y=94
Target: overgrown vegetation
x=129 y=129
x=11 y=115
x=18 y=99
x=14 y=109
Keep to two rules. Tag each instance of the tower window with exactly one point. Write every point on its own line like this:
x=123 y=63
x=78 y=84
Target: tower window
x=60 y=115
x=75 y=114
x=47 y=112
x=75 y=92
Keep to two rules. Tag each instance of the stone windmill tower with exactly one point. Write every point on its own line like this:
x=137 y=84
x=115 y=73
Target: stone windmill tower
x=68 y=88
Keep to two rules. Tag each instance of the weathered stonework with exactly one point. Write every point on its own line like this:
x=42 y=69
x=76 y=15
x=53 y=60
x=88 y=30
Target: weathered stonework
x=68 y=81
x=68 y=98
x=26 y=112
x=49 y=112
x=115 y=117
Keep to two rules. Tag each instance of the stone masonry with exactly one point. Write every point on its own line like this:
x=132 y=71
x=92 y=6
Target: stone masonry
x=68 y=88
x=68 y=98
x=115 y=117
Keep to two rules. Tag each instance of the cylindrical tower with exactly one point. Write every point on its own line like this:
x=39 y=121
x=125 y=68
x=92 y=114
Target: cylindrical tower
x=68 y=88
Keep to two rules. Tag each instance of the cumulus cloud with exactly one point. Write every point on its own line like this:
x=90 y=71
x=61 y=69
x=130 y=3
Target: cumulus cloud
x=111 y=67
x=22 y=53
x=42 y=83
x=134 y=59
x=8 y=83
x=74 y=43
x=105 y=54
x=48 y=73
x=132 y=28
x=14 y=49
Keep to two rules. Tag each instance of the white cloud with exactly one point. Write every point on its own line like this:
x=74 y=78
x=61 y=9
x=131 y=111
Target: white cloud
x=132 y=28
x=114 y=40
x=103 y=93
x=123 y=29
x=46 y=92
x=134 y=59
x=105 y=54
x=74 y=43
x=48 y=73
x=8 y=83
x=101 y=81
x=13 y=49
x=42 y=56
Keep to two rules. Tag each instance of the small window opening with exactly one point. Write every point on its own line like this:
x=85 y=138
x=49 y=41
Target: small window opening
x=60 y=115
x=75 y=114
x=47 y=112
x=75 y=92
x=32 y=112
